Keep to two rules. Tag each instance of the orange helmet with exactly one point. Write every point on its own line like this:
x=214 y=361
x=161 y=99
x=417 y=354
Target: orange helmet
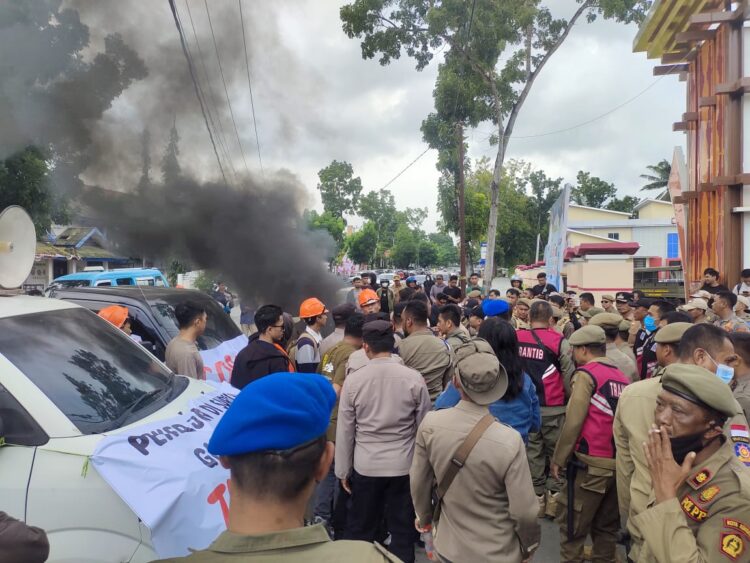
x=115 y=314
x=311 y=308
x=367 y=296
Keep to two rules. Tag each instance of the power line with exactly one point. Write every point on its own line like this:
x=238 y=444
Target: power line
x=226 y=91
x=250 y=87
x=195 y=83
x=217 y=123
x=406 y=168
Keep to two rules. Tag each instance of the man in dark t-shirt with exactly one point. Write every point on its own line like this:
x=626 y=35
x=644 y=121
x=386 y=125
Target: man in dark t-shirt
x=542 y=288
x=453 y=292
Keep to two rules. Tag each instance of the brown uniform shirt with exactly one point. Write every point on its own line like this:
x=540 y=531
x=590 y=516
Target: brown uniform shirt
x=333 y=367
x=709 y=521
x=622 y=362
x=430 y=356
x=310 y=544
x=489 y=511
x=183 y=358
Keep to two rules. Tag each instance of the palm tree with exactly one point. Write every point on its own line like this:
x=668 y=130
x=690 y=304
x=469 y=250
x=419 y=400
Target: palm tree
x=660 y=177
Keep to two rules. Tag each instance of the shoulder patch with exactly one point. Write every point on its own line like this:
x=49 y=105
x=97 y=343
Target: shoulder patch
x=692 y=510
x=738 y=431
x=700 y=478
x=742 y=451
x=732 y=545
x=709 y=494
x=744 y=529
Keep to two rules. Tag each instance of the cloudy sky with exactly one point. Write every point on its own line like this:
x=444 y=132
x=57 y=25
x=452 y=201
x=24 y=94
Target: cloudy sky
x=317 y=100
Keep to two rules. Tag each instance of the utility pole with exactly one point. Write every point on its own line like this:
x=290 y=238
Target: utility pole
x=461 y=211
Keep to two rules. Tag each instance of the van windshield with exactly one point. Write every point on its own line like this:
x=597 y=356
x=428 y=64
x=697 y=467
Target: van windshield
x=90 y=370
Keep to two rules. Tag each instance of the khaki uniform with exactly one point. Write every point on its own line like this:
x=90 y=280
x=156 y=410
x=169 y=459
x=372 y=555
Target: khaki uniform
x=622 y=362
x=457 y=337
x=310 y=544
x=430 y=356
x=518 y=324
x=333 y=367
x=627 y=349
x=742 y=394
x=595 y=505
x=489 y=511
x=709 y=521
x=633 y=419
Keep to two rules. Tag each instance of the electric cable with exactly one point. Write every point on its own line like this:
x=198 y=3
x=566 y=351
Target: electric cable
x=250 y=87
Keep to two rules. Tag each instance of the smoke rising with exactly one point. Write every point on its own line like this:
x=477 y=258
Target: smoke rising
x=84 y=80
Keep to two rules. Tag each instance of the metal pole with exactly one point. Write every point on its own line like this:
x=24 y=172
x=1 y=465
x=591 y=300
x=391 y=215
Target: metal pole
x=538 y=239
x=461 y=210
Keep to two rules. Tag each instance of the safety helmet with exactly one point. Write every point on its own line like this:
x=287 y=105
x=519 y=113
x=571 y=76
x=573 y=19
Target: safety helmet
x=411 y=279
x=367 y=297
x=311 y=308
x=115 y=314
x=516 y=278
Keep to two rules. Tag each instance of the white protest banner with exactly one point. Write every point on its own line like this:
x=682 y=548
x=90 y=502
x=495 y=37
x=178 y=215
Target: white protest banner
x=165 y=474
x=218 y=362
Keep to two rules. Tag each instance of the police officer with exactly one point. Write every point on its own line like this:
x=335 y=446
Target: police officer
x=587 y=447
x=701 y=491
x=546 y=358
x=273 y=441
x=610 y=323
x=668 y=345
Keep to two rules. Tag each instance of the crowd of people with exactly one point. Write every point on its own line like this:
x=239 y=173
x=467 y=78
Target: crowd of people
x=459 y=419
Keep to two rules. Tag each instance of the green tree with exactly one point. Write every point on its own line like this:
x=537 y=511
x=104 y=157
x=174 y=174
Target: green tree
x=361 y=245
x=24 y=181
x=339 y=189
x=544 y=193
x=626 y=204
x=170 y=163
x=658 y=179
x=405 y=249
x=327 y=222
x=446 y=248
x=477 y=34
x=428 y=253
x=592 y=191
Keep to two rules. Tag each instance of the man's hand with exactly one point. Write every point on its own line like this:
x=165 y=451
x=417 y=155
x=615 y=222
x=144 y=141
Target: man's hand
x=554 y=470
x=345 y=485
x=666 y=475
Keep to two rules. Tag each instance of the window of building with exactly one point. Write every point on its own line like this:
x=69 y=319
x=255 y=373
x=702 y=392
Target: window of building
x=613 y=236
x=673 y=245
x=639 y=262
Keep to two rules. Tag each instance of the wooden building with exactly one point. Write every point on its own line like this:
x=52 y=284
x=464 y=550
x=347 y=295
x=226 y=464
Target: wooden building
x=706 y=44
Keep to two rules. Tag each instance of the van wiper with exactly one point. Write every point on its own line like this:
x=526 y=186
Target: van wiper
x=131 y=408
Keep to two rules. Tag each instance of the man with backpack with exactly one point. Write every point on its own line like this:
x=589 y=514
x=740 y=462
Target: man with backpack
x=546 y=357
x=305 y=352
x=485 y=509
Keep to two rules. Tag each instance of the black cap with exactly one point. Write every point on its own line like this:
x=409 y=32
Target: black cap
x=624 y=296
x=377 y=329
x=644 y=302
x=341 y=313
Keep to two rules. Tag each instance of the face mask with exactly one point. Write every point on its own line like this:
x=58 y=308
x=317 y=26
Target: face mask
x=723 y=371
x=649 y=323
x=683 y=445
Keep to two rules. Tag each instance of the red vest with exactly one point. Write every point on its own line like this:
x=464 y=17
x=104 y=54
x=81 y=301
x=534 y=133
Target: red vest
x=596 y=435
x=546 y=376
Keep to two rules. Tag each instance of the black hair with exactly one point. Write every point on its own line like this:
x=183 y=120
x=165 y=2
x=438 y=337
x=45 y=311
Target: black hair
x=453 y=278
x=745 y=273
x=356 y=278
x=380 y=343
x=708 y=337
x=624 y=334
x=587 y=297
x=513 y=291
x=416 y=311
x=728 y=296
x=420 y=296
x=451 y=313
x=741 y=341
x=474 y=274
x=558 y=300
x=541 y=311
x=354 y=325
x=186 y=313
x=398 y=309
x=711 y=272
x=476 y=312
x=406 y=293
x=610 y=332
x=541 y=275
x=502 y=337
x=598 y=350
x=664 y=307
x=279 y=476
x=312 y=320
x=266 y=316
x=677 y=317
x=495 y=292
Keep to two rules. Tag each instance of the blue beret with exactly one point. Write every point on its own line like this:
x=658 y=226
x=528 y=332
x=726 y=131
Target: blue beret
x=494 y=307
x=276 y=412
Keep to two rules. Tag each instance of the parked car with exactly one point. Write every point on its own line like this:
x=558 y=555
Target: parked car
x=151 y=277
x=152 y=312
x=67 y=379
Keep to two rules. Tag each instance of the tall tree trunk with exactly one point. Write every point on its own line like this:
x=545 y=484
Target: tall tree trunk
x=505 y=133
